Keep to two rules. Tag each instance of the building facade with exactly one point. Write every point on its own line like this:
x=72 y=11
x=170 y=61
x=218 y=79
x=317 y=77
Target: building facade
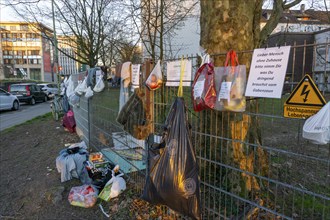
x=25 y=51
x=67 y=51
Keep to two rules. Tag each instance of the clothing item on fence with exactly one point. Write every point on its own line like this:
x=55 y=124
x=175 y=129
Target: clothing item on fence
x=65 y=104
x=91 y=76
x=133 y=117
x=124 y=93
x=70 y=163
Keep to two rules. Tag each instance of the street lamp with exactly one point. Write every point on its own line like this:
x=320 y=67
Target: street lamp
x=55 y=47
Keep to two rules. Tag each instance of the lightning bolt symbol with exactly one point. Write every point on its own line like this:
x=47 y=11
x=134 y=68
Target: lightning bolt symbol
x=304 y=92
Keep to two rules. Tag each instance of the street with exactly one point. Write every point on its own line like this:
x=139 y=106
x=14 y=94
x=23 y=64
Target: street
x=25 y=113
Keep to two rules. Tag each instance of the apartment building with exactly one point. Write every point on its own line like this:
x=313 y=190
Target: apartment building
x=25 y=51
x=67 y=51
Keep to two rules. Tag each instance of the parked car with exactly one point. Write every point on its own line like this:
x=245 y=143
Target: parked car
x=50 y=89
x=8 y=101
x=28 y=92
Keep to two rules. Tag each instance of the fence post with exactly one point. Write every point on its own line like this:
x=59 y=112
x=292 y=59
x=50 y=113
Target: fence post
x=149 y=97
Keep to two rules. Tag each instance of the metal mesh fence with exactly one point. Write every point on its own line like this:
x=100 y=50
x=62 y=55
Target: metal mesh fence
x=278 y=176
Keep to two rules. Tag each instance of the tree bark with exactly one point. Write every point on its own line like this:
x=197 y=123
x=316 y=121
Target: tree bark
x=227 y=25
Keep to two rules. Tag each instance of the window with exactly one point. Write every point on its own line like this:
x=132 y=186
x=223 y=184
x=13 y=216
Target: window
x=35 y=52
x=35 y=74
x=10 y=52
x=13 y=28
x=24 y=27
x=3 y=27
x=3 y=35
x=6 y=61
x=5 y=52
x=28 y=35
x=14 y=35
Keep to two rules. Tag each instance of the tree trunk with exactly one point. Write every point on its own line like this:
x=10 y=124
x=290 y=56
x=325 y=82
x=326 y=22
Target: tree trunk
x=234 y=25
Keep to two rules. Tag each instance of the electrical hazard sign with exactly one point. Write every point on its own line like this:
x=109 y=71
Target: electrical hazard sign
x=305 y=100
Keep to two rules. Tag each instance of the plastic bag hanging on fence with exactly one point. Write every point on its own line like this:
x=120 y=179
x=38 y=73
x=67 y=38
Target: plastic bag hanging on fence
x=70 y=87
x=173 y=180
x=203 y=88
x=230 y=85
x=155 y=78
x=133 y=116
x=125 y=75
x=99 y=84
x=82 y=87
x=317 y=127
x=89 y=92
x=74 y=100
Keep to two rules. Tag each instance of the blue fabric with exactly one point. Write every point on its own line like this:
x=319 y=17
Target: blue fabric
x=71 y=165
x=90 y=76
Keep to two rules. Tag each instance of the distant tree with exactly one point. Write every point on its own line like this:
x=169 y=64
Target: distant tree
x=84 y=22
x=156 y=20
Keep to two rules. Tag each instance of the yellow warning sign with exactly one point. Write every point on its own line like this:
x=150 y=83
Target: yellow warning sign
x=305 y=100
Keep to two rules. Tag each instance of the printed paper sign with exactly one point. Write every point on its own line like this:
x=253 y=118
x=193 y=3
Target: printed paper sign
x=225 y=91
x=173 y=73
x=135 y=75
x=267 y=72
x=198 y=88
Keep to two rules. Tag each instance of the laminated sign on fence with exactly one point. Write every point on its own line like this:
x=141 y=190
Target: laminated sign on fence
x=305 y=100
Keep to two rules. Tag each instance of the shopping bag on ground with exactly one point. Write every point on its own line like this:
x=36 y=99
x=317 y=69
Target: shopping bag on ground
x=173 y=180
x=230 y=85
x=83 y=196
x=113 y=187
x=203 y=88
x=317 y=127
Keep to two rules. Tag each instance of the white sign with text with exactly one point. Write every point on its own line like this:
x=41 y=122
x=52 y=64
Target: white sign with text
x=174 y=70
x=267 y=72
x=135 y=75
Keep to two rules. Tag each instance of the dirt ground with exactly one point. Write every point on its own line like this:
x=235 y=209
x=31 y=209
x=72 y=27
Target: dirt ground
x=30 y=184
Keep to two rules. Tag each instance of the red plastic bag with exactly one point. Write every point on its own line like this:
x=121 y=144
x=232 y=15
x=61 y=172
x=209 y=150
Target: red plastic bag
x=203 y=89
x=69 y=121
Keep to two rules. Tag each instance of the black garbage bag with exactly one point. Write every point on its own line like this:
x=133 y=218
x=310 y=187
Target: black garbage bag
x=173 y=180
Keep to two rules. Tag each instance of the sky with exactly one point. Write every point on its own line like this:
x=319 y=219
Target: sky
x=8 y=14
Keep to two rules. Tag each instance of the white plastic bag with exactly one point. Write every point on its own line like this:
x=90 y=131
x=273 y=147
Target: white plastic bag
x=70 y=87
x=99 y=84
x=317 y=127
x=74 y=100
x=82 y=87
x=155 y=78
x=118 y=185
x=89 y=92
